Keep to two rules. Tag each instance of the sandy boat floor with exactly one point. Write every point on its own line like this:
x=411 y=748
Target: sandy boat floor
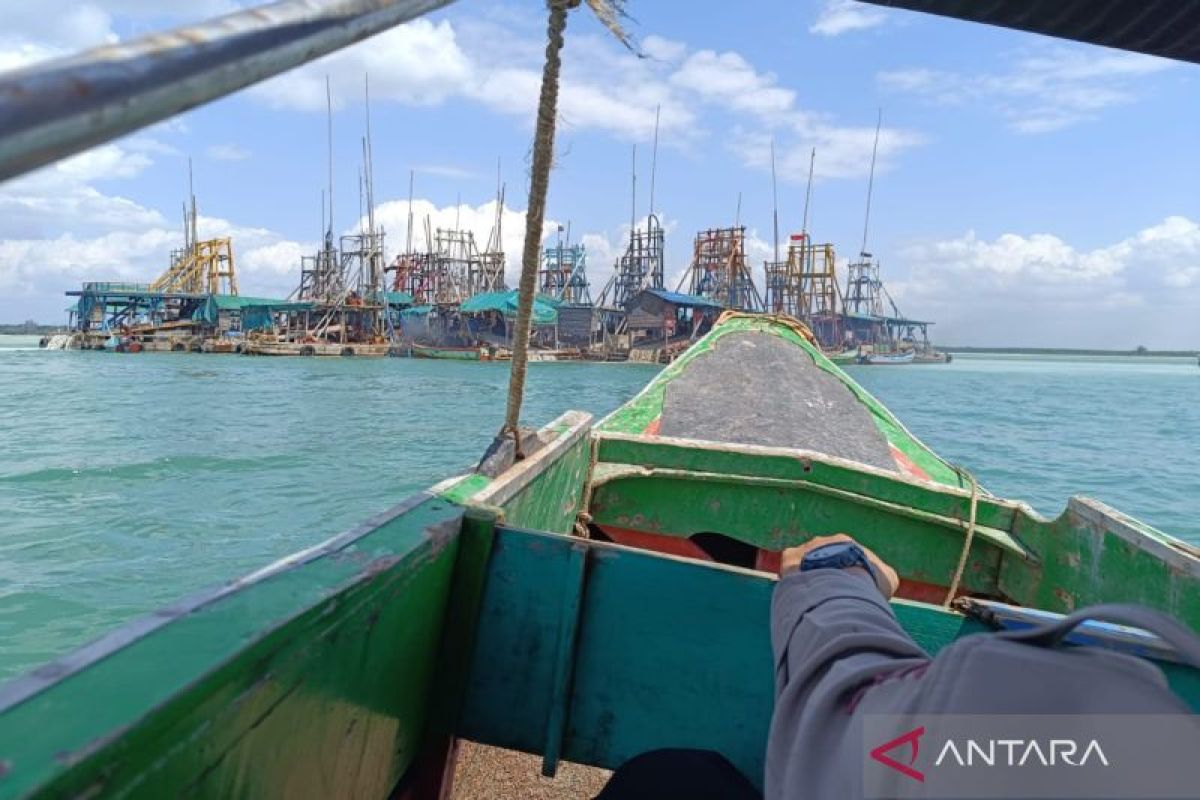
x=491 y=773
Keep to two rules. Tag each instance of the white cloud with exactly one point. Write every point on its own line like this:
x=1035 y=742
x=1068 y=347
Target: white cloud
x=728 y=79
x=226 y=152
x=1037 y=289
x=418 y=64
x=1045 y=90
x=603 y=88
x=446 y=171
x=662 y=49
x=843 y=16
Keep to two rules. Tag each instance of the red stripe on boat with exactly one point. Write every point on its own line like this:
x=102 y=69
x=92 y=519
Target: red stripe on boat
x=657 y=542
x=653 y=427
x=906 y=464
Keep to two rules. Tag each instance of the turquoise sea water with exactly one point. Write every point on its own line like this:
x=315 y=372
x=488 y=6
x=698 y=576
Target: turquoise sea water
x=127 y=481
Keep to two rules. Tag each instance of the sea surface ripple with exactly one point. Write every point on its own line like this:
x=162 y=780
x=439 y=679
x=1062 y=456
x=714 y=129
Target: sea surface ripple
x=129 y=481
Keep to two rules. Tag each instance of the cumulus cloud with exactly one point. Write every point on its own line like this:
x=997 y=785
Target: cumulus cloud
x=843 y=16
x=603 y=88
x=1043 y=90
x=1037 y=289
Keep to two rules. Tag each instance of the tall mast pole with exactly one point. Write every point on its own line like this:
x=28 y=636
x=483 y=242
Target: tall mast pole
x=653 y=164
x=774 y=202
x=329 y=152
x=409 y=241
x=812 y=160
x=871 y=183
x=633 y=194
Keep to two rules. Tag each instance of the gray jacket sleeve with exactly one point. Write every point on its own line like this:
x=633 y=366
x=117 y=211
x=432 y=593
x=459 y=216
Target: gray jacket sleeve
x=833 y=634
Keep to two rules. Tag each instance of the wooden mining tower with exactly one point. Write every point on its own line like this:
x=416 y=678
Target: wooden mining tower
x=805 y=287
x=719 y=272
x=452 y=268
x=563 y=275
x=639 y=268
x=199 y=267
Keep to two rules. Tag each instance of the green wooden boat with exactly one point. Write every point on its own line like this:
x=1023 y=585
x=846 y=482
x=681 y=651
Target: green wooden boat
x=603 y=596
x=502 y=608
x=449 y=353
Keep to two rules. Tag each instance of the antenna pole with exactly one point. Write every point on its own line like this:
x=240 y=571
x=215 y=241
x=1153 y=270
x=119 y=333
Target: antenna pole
x=370 y=157
x=633 y=194
x=774 y=202
x=812 y=160
x=192 y=196
x=871 y=183
x=408 y=243
x=329 y=143
x=737 y=218
x=654 y=160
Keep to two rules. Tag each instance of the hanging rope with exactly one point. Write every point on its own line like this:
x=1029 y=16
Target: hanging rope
x=543 y=156
x=966 y=549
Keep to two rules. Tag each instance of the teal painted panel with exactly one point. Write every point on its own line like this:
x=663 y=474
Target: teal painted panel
x=669 y=653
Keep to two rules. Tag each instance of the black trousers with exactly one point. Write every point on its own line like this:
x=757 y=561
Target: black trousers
x=678 y=775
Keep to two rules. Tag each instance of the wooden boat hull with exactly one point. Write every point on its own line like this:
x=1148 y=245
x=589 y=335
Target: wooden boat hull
x=449 y=353
x=324 y=349
x=474 y=611
x=886 y=359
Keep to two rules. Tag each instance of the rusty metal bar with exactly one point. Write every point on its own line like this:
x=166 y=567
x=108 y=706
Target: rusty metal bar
x=58 y=108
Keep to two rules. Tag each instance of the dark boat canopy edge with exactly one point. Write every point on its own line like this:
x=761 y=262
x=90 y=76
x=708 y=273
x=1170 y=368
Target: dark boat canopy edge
x=1166 y=28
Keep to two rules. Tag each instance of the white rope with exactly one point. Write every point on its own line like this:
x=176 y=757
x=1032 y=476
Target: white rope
x=966 y=549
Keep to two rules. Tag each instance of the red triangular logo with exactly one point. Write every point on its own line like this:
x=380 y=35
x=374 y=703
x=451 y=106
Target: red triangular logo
x=912 y=738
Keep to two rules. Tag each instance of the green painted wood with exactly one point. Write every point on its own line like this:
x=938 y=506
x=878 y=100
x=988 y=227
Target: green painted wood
x=552 y=500
x=1095 y=554
x=733 y=459
x=544 y=492
x=778 y=516
x=445 y=353
x=310 y=681
x=669 y=653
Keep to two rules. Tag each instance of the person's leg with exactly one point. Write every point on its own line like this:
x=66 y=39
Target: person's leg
x=672 y=774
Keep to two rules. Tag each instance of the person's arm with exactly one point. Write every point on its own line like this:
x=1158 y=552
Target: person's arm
x=832 y=633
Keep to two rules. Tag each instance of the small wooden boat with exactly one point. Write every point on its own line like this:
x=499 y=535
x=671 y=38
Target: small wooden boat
x=450 y=353
x=884 y=359
x=559 y=605
x=269 y=347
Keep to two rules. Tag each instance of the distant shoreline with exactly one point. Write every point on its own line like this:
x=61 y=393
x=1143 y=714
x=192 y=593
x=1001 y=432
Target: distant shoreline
x=1067 y=351
x=43 y=330
x=21 y=329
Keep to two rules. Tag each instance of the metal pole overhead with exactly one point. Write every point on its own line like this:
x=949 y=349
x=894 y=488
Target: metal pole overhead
x=58 y=108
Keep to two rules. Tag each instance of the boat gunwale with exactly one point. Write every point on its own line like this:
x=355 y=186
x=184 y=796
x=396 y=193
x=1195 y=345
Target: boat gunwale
x=24 y=687
x=569 y=428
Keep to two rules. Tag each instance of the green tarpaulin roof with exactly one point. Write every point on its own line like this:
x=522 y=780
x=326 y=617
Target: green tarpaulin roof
x=416 y=311
x=233 y=302
x=545 y=311
x=398 y=298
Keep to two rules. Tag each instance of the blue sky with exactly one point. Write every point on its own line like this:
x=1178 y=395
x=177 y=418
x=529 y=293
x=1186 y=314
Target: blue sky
x=1029 y=192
